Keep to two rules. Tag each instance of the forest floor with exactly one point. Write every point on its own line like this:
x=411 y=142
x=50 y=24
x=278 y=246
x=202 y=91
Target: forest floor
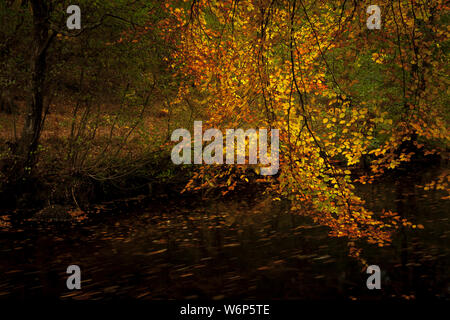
x=59 y=120
x=79 y=156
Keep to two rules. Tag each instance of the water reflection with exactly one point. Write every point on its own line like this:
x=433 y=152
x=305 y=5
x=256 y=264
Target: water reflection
x=242 y=248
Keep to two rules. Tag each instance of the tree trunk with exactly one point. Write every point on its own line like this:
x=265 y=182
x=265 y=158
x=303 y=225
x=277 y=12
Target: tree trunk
x=29 y=139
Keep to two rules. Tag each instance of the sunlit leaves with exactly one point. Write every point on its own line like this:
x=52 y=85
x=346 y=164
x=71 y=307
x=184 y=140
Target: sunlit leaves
x=338 y=93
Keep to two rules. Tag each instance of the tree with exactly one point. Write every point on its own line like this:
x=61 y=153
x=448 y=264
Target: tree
x=42 y=39
x=53 y=62
x=338 y=91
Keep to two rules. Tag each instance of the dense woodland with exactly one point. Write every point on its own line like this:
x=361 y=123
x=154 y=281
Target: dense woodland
x=87 y=115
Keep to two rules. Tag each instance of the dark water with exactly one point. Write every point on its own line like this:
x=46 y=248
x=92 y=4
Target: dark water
x=238 y=248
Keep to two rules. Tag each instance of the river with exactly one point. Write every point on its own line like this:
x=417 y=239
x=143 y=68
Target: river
x=243 y=247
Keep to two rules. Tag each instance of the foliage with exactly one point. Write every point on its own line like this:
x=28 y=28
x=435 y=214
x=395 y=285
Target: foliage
x=339 y=92
x=103 y=84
